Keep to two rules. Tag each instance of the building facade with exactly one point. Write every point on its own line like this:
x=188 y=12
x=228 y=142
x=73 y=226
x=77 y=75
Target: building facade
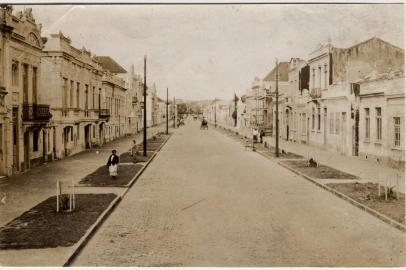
x=24 y=117
x=74 y=89
x=345 y=100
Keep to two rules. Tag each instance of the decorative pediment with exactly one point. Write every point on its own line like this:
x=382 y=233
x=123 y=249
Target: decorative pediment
x=34 y=40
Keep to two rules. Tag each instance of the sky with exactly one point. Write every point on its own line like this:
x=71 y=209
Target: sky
x=213 y=51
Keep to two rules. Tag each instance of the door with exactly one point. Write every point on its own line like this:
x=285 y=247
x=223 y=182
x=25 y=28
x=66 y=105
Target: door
x=287 y=119
x=325 y=127
x=344 y=133
x=87 y=136
x=307 y=130
x=16 y=164
x=44 y=146
x=355 y=134
x=65 y=140
x=26 y=150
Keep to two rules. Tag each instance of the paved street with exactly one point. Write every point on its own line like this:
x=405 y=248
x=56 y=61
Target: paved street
x=205 y=201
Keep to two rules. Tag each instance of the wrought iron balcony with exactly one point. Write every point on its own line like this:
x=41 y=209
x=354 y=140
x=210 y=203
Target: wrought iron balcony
x=104 y=113
x=36 y=112
x=315 y=93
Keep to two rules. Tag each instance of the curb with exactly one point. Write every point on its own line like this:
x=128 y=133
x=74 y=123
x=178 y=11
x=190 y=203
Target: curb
x=138 y=174
x=371 y=211
x=82 y=242
x=85 y=238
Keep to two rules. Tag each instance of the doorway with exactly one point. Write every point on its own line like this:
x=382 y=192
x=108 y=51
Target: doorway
x=16 y=164
x=344 y=132
x=26 y=150
x=44 y=146
x=325 y=127
x=355 y=134
x=87 y=136
x=307 y=130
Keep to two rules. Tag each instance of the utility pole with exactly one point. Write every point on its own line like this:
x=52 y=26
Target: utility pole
x=235 y=109
x=145 y=106
x=277 y=111
x=174 y=113
x=215 y=112
x=167 y=116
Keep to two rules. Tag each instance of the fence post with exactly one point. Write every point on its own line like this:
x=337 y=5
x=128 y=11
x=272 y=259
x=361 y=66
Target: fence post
x=57 y=196
x=73 y=192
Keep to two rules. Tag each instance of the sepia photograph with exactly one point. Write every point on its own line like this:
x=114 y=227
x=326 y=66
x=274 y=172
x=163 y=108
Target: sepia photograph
x=202 y=134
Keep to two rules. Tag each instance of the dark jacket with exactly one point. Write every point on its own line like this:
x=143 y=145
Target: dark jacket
x=115 y=161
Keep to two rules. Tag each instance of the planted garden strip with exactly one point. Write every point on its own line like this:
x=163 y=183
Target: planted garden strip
x=102 y=178
x=373 y=212
x=43 y=227
x=367 y=194
x=127 y=158
x=320 y=172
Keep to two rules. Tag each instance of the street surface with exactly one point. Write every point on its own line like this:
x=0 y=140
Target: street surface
x=205 y=201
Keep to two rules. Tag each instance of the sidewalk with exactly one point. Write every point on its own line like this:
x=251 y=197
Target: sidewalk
x=25 y=190
x=366 y=170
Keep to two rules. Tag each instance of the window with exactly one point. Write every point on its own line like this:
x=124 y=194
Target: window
x=93 y=93
x=35 y=140
x=34 y=85
x=14 y=73
x=25 y=83
x=331 y=123
x=378 y=124
x=78 y=95
x=337 y=123
x=303 y=116
x=325 y=76
x=314 y=78
x=65 y=93
x=99 y=96
x=367 y=124
x=318 y=119
x=396 y=121
x=71 y=93
x=319 y=77
x=86 y=96
x=312 y=118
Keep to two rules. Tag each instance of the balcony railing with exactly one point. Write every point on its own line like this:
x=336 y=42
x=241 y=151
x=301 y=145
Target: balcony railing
x=315 y=93
x=104 y=113
x=36 y=112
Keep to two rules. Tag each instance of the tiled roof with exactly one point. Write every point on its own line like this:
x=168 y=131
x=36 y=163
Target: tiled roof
x=109 y=64
x=283 y=72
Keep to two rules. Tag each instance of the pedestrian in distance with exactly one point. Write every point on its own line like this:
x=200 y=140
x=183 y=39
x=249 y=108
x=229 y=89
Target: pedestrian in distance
x=112 y=164
x=254 y=135
x=134 y=148
x=261 y=136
